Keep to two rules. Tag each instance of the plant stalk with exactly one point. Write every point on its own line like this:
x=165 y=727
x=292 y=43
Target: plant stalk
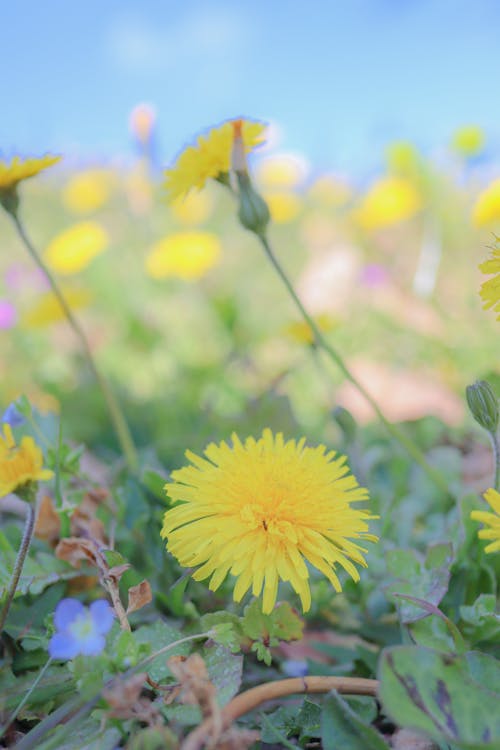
x=29 y=528
x=413 y=450
x=119 y=423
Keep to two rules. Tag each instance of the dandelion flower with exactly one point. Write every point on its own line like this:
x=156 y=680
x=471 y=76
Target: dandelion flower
x=389 y=201
x=286 y=171
x=19 y=168
x=88 y=191
x=73 y=249
x=47 y=309
x=19 y=464
x=80 y=630
x=486 y=209
x=468 y=140
x=260 y=510
x=209 y=157
x=492 y=520
x=490 y=290
x=185 y=255
x=283 y=205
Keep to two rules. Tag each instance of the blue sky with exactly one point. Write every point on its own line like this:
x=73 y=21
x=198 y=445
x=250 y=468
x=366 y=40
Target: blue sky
x=340 y=77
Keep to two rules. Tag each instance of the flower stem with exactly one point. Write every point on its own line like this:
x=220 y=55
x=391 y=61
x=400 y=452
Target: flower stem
x=247 y=701
x=413 y=450
x=29 y=527
x=23 y=702
x=496 y=457
x=115 y=412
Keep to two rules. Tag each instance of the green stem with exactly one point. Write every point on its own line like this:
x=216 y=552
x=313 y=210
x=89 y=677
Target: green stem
x=21 y=705
x=413 y=450
x=115 y=412
x=29 y=527
x=496 y=457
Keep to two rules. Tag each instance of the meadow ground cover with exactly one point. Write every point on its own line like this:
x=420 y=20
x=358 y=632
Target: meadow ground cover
x=249 y=462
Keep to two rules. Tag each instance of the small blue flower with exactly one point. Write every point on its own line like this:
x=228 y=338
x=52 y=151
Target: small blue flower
x=295 y=667
x=12 y=416
x=80 y=630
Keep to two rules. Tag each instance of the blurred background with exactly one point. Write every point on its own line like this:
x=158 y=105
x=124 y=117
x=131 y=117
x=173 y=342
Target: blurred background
x=381 y=169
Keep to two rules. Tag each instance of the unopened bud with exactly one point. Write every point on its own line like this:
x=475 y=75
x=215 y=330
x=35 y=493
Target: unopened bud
x=253 y=211
x=9 y=199
x=483 y=405
x=346 y=422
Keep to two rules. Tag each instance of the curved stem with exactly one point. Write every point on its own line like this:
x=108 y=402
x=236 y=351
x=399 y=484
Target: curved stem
x=413 y=450
x=29 y=527
x=251 y=699
x=119 y=423
x=23 y=702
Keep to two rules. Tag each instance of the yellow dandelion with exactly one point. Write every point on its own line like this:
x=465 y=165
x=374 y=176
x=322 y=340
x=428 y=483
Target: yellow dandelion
x=301 y=332
x=88 y=191
x=492 y=520
x=74 y=249
x=21 y=168
x=185 y=255
x=486 y=209
x=47 y=309
x=209 y=158
x=262 y=509
x=389 y=201
x=469 y=140
x=19 y=464
x=193 y=209
x=281 y=172
x=490 y=290
x=284 y=206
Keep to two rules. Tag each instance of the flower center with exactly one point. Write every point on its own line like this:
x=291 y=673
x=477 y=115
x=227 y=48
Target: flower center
x=82 y=627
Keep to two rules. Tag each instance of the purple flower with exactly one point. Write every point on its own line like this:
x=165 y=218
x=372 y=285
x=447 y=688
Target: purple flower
x=80 y=629
x=374 y=275
x=12 y=416
x=8 y=314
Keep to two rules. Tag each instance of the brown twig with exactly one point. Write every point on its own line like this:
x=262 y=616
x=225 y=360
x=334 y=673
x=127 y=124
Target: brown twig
x=250 y=699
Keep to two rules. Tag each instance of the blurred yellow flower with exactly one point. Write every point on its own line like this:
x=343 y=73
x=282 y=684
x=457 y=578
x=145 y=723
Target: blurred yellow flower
x=209 y=158
x=284 y=206
x=20 y=168
x=301 y=332
x=262 y=509
x=73 y=249
x=88 y=191
x=47 y=309
x=193 y=209
x=185 y=255
x=490 y=290
x=486 y=209
x=469 y=140
x=403 y=158
x=330 y=192
x=389 y=201
x=284 y=171
x=492 y=520
x=19 y=464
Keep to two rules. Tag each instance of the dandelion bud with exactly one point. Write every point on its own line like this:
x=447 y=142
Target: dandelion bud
x=9 y=199
x=253 y=211
x=483 y=405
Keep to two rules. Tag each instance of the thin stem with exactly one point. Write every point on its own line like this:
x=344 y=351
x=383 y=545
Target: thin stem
x=115 y=412
x=23 y=702
x=29 y=527
x=496 y=457
x=250 y=699
x=413 y=450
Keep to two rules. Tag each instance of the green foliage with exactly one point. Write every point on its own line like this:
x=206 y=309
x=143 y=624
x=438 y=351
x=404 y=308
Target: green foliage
x=342 y=727
x=451 y=698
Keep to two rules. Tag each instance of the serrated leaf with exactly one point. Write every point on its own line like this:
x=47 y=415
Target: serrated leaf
x=452 y=699
x=342 y=728
x=225 y=629
x=157 y=636
x=481 y=621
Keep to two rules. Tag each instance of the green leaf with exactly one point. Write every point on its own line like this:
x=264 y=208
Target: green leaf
x=426 y=579
x=155 y=484
x=342 y=728
x=158 y=636
x=481 y=622
x=224 y=670
x=452 y=699
x=225 y=629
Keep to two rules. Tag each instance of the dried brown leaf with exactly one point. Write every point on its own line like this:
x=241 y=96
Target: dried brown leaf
x=117 y=571
x=139 y=596
x=48 y=523
x=75 y=551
